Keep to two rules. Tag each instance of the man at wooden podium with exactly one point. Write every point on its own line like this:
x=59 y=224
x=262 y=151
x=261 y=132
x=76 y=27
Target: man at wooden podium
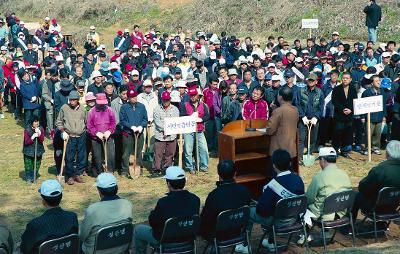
x=282 y=126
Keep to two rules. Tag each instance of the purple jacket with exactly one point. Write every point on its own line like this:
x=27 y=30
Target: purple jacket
x=100 y=121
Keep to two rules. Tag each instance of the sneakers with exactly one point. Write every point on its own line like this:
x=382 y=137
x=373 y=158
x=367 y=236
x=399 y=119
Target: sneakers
x=302 y=239
x=269 y=246
x=240 y=248
x=377 y=152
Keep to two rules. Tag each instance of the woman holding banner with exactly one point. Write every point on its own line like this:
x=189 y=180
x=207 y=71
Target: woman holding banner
x=165 y=145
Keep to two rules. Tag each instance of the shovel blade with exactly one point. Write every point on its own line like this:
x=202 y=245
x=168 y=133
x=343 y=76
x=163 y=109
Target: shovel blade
x=308 y=160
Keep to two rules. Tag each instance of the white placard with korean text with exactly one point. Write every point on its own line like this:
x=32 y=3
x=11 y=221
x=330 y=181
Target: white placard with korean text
x=179 y=125
x=309 y=23
x=368 y=105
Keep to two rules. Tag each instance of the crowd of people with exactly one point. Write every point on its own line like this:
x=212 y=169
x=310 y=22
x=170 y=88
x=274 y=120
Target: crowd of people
x=111 y=104
x=117 y=98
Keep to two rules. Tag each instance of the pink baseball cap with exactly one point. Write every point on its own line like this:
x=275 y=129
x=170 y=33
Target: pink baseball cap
x=193 y=91
x=165 y=96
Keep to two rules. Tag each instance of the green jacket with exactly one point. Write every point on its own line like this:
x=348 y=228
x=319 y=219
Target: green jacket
x=101 y=214
x=329 y=180
x=385 y=174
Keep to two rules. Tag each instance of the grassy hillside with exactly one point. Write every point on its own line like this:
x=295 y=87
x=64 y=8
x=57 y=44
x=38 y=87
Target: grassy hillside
x=243 y=17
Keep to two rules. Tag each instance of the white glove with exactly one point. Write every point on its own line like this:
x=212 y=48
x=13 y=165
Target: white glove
x=100 y=135
x=33 y=99
x=305 y=120
x=52 y=101
x=64 y=136
x=107 y=134
x=37 y=130
x=134 y=128
x=314 y=120
x=140 y=129
x=58 y=153
x=35 y=135
x=198 y=120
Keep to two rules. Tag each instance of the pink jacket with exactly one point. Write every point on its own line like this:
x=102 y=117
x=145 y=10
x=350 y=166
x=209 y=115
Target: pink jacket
x=255 y=109
x=100 y=121
x=213 y=101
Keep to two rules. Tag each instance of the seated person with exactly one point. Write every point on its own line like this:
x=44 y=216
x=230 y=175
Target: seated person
x=178 y=202
x=6 y=241
x=53 y=223
x=264 y=211
x=385 y=174
x=111 y=209
x=227 y=195
x=327 y=181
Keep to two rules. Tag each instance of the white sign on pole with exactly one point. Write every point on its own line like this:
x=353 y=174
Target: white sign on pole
x=368 y=105
x=309 y=23
x=179 y=125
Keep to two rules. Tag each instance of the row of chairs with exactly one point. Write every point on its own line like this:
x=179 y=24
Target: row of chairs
x=236 y=220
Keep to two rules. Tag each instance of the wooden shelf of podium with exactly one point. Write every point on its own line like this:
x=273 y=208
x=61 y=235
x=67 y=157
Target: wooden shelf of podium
x=249 y=156
x=249 y=151
x=250 y=178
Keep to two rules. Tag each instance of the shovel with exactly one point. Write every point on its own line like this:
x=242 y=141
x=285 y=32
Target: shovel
x=105 y=155
x=308 y=159
x=134 y=169
x=60 y=176
x=148 y=155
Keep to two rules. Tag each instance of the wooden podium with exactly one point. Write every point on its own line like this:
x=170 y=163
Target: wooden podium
x=249 y=151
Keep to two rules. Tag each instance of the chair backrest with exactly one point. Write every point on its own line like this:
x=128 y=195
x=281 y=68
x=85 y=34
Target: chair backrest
x=388 y=196
x=184 y=227
x=339 y=201
x=113 y=236
x=233 y=219
x=65 y=245
x=287 y=208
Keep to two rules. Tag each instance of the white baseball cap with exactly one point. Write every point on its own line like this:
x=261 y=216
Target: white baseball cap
x=50 y=188
x=298 y=60
x=271 y=65
x=174 y=173
x=92 y=27
x=386 y=54
x=326 y=151
x=113 y=66
x=105 y=180
x=276 y=78
x=147 y=82
x=134 y=73
x=126 y=30
x=3 y=48
x=96 y=74
x=181 y=84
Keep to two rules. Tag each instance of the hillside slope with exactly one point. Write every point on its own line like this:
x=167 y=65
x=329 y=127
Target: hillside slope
x=256 y=18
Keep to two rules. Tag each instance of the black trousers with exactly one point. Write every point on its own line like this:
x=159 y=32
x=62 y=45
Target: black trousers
x=343 y=134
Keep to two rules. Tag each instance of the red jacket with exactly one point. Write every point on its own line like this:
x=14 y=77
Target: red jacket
x=137 y=39
x=255 y=109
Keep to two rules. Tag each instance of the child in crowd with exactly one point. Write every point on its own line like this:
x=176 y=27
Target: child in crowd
x=33 y=145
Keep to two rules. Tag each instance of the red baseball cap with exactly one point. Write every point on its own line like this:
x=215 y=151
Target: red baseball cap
x=198 y=46
x=165 y=96
x=132 y=93
x=193 y=91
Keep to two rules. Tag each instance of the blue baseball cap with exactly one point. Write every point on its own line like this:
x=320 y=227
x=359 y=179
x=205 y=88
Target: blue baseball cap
x=268 y=76
x=386 y=83
x=242 y=90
